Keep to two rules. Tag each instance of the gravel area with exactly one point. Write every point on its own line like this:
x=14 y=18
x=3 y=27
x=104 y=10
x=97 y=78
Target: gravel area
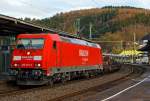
x=51 y=93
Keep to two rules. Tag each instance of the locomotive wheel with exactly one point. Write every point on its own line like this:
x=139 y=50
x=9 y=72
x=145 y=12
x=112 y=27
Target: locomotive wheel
x=63 y=80
x=87 y=75
x=50 y=82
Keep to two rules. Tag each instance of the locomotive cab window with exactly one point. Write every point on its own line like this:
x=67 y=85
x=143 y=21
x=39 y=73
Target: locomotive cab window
x=54 y=45
x=28 y=43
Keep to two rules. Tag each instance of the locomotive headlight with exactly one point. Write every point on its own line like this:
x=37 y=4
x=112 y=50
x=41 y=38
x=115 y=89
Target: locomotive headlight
x=15 y=65
x=37 y=58
x=39 y=65
x=17 y=58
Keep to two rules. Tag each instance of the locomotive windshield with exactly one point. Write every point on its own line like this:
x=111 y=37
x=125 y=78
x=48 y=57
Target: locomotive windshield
x=36 y=43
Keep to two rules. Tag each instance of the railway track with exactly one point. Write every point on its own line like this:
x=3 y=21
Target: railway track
x=104 y=86
x=12 y=91
x=135 y=72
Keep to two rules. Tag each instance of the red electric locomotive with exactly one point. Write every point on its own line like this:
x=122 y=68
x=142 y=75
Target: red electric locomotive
x=45 y=58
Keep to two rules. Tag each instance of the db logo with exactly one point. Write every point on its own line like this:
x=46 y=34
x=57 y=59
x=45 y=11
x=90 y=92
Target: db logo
x=83 y=53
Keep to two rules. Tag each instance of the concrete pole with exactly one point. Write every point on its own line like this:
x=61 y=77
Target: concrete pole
x=90 y=35
x=134 y=40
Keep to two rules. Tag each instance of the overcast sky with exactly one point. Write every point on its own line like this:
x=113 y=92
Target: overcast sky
x=46 y=8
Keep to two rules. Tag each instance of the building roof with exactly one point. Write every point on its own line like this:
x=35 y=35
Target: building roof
x=10 y=25
x=130 y=53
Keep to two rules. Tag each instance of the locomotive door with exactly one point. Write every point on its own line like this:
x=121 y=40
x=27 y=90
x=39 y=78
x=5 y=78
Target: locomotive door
x=55 y=53
x=58 y=54
x=56 y=47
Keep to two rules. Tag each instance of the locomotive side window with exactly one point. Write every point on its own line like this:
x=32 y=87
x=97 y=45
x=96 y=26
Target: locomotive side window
x=28 y=43
x=54 y=45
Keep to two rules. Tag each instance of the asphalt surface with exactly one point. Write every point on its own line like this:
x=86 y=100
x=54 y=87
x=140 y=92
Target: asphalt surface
x=137 y=89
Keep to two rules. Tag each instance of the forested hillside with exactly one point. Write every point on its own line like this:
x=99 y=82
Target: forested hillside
x=107 y=23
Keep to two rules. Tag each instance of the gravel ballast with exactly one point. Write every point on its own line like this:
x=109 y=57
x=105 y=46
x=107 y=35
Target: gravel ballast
x=51 y=93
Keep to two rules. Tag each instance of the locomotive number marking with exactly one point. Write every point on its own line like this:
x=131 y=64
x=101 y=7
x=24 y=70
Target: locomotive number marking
x=26 y=64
